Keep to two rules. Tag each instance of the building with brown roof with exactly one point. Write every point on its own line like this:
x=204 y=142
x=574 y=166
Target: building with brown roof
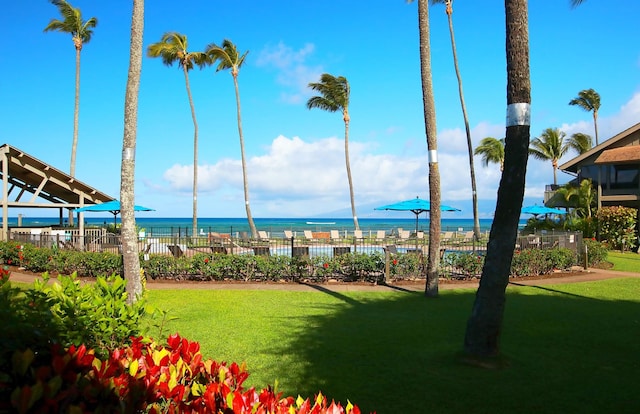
x=613 y=167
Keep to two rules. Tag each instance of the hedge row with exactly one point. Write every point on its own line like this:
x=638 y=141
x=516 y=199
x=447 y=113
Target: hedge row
x=351 y=267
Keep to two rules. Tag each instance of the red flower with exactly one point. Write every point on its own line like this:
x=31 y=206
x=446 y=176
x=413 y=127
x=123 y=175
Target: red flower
x=326 y=265
x=395 y=262
x=206 y=260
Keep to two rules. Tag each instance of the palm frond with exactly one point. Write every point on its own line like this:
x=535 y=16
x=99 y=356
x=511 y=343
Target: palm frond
x=226 y=55
x=491 y=149
x=580 y=142
x=172 y=48
x=588 y=99
x=334 y=92
x=72 y=22
x=322 y=103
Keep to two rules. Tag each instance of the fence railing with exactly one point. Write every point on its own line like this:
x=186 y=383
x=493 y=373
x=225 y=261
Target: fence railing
x=311 y=244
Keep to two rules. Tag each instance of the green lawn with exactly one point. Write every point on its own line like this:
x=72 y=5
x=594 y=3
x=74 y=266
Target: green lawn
x=572 y=348
x=625 y=262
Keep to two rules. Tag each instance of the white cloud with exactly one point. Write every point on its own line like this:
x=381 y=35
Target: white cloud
x=293 y=70
x=298 y=177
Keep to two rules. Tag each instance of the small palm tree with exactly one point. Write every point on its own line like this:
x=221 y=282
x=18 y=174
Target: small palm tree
x=81 y=32
x=580 y=142
x=173 y=47
x=492 y=151
x=581 y=199
x=334 y=96
x=228 y=57
x=550 y=146
x=589 y=100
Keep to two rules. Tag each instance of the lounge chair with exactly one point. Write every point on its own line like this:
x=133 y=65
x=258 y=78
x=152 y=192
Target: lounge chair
x=308 y=234
x=335 y=236
x=468 y=237
x=403 y=234
x=175 y=250
x=357 y=234
x=263 y=236
x=288 y=234
x=381 y=235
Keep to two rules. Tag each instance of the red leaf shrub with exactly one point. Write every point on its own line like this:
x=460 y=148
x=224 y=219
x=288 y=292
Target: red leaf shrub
x=148 y=377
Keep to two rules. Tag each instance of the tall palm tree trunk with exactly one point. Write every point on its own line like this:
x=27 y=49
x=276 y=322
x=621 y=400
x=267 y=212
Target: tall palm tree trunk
x=131 y=260
x=485 y=323
x=595 y=124
x=76 y=121
x=195 y=154
x=346 y=157
x=474 y=192
x=429 y=107
x=245 y=181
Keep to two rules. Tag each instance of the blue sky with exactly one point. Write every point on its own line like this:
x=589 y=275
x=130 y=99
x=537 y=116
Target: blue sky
x=295 y=155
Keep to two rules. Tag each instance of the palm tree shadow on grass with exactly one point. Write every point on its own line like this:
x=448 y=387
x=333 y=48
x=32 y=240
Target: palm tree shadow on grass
x=567 y=351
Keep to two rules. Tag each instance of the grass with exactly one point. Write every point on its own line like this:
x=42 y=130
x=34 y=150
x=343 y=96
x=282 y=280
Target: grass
x=570 y=348
x=625 y=262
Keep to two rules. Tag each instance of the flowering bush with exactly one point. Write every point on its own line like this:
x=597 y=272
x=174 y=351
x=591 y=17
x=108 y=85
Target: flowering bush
x=146 y=377
x=464 y=264
x=618 y=226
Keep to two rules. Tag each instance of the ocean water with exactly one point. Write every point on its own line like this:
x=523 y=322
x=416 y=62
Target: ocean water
x=274 y=226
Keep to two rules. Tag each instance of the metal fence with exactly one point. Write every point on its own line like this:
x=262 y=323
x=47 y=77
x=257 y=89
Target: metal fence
x=312 y=244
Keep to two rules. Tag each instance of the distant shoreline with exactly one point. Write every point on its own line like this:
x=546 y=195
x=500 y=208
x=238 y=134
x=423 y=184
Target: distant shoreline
x=183 y=225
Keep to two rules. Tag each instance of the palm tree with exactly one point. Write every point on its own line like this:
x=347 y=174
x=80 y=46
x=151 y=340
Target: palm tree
x=81 y=32
x=485 y=323
x=334 y=96
x=550 y=146
x=580 y=142
x=589 y=100
x=228 y=57
x=173 y=47
x=429 y=111
x=474 y=194
x=131 y=259
x=484 y=326
x=580 y=198
x=492 y=151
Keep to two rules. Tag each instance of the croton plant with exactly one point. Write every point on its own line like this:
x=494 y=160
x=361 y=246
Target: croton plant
x=145 y=377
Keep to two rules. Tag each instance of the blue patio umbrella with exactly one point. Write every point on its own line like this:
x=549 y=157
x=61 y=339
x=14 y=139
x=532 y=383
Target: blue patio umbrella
x=537 y=210
x=112 y=207
x=416 y=206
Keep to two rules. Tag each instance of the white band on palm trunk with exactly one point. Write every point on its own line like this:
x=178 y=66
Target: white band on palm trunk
x=518 y=114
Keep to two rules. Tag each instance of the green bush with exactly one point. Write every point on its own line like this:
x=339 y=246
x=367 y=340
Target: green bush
x=561 y=258
x=349 y=267
x=65 y=313
x=618 y=227
x=93 y=314
x=596 y=251
x=464 y=264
